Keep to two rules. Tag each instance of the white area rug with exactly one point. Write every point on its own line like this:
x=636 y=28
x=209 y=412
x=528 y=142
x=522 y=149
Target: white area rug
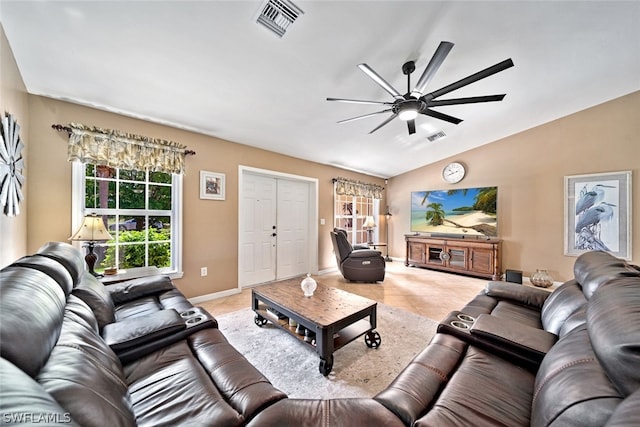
x=358 y=371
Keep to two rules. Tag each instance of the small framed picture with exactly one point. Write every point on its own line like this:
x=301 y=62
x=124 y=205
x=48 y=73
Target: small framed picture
x=212 y=185
x=598 y=213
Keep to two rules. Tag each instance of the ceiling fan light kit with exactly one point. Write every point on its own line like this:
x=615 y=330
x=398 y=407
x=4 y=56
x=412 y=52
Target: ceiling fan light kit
x=407 y=107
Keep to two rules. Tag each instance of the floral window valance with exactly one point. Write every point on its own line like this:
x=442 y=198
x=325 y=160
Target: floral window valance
x=350 y=187
x=119 y=149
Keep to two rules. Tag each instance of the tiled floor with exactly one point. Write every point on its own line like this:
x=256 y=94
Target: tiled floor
x=428 y=293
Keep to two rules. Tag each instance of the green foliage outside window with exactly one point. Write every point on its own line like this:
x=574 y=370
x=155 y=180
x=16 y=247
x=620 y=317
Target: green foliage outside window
x=134 y=255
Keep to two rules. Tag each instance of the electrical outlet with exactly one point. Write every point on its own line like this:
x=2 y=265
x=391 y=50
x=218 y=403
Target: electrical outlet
x=203 y=271
x=322 y=221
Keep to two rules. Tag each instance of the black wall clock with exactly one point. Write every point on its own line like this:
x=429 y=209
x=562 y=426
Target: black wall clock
x=11 y=166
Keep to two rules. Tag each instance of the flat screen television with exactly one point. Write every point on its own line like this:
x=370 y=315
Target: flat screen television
x=466 y=212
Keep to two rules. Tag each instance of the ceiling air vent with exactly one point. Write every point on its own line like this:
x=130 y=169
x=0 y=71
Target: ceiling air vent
x=436 y=136
x=278 y=15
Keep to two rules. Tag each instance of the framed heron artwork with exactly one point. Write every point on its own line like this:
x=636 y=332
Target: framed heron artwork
x=597 y=210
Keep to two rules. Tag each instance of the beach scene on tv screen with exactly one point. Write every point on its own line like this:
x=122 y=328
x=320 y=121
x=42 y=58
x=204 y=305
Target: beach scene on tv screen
x=467 y=211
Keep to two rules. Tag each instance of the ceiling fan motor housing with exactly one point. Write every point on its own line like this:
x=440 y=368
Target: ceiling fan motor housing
x=407 y=107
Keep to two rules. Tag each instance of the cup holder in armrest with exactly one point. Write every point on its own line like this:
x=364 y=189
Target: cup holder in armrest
x=194 y=320
x=460 y=325
x=196 y=316
x=466 y=317
x=188 y=313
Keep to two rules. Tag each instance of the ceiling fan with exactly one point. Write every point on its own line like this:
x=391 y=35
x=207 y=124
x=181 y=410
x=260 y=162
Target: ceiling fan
x=416 y=101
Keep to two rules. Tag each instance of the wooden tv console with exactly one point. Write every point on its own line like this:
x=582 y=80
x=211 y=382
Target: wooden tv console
x=472 y=256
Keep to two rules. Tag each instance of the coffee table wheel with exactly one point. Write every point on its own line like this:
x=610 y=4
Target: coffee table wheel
x=326 y=365
x=372 y=339
x=259 y=320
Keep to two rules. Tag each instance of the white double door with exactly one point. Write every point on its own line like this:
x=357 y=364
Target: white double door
x=274 y=229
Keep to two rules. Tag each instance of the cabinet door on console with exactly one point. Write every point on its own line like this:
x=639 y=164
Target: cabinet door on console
x=416 y=253
x=482 y=261
x=457 y=257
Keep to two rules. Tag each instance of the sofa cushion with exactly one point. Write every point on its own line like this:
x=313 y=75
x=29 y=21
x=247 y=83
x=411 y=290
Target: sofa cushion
x=25 y=402
x=174 y=299
x=571 y=388
x=613 y=319
x=561 y=304
x=32 y=306
x=134 y=332
x=139 y=307
x=131 y=290
x=626 y=414
x=241 y=384
x=326 y=413
x=523 y=295
x=170 y=387
x=51 y=267
x=65 y=254
x=451 y=383
x=511 y=312
x=594 y=268
x=81 y=364
x=143 y=306
x=93 y=293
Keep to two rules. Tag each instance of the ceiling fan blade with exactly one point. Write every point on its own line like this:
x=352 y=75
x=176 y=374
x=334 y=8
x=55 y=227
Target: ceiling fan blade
x=382 y=82
x=363 y=116
x=501 y=66
x=358 y=101
x=441 y=116
x=391 y=117
x=434 y=64
x=411 y=125
x=469 y=100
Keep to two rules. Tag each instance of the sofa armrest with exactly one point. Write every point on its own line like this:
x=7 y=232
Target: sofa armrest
x=138 y=288
x=523 y=294
x=364 y=253
x=137 y=331
x=517 y=338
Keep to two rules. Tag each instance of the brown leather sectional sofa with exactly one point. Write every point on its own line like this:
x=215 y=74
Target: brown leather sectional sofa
x=74 y=352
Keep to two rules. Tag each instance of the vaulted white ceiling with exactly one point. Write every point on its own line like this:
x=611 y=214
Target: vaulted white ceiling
x=207 y=66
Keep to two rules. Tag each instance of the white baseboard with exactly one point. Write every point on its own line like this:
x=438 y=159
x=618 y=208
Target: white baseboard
x=215 y=295
x=327 y=271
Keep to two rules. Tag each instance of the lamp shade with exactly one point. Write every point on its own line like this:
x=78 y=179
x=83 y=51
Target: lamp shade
x=369 y=222
x=91 y=230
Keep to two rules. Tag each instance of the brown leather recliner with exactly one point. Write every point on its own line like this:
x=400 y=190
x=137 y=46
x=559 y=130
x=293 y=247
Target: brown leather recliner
x=358 y=265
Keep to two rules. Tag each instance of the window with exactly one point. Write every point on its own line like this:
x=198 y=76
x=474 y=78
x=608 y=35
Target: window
x=350 y=213
x=142 y=211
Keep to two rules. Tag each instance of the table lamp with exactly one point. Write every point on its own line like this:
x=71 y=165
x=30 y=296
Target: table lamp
x=369 y=223
x=91 y=231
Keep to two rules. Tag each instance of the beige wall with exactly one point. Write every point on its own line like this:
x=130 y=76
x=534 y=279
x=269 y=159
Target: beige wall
x=529 y=169
x=210 y=236
x=13 y=100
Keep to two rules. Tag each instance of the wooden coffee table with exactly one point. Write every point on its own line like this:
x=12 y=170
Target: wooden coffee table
x=335 y=316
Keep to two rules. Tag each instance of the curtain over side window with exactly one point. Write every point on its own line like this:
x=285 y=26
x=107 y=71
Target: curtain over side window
x=348 y=187
x=122 y=150
x=134 y=183
x=354 y=201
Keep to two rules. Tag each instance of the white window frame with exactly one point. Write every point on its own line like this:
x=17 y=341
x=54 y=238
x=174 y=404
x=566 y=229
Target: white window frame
x=357 y=218
x=78 y=212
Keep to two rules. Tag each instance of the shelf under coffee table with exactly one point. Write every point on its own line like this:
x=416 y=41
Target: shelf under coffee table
x=337 y=317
